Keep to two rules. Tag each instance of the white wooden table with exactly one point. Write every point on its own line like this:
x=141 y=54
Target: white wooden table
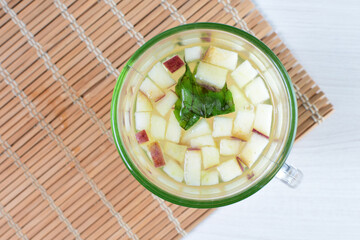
x=325 y=37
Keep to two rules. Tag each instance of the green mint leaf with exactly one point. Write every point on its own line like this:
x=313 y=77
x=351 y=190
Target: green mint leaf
x=197 y=101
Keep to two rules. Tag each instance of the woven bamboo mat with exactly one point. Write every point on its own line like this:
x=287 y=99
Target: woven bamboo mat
x=60 y=174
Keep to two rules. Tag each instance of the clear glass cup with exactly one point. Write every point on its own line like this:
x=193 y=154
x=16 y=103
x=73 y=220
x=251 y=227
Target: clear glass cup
x=284 y=123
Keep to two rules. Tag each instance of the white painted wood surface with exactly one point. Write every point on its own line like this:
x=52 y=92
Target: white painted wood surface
x=325 y=37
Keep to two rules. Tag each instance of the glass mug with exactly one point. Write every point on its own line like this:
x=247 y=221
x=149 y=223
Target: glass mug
x=272 y=160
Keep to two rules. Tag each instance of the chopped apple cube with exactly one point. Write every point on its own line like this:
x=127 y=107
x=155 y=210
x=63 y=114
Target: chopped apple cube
x=222 y=127
x=156 y=154
x=230 y=147
x=205 y=140
x=243 y=124
x=173 y=131
x=142 y=120
x=175 y=151
x=192 y=167
x=158 y=126
x=211 y=76
x=159 y=75
x=209 y=177
x=240 y=101
x=150 y=89
x=199 y=129
x=142 y=103
x=174 y=170
x=174 y=63
x=253 y=148
x=221 y=57
x=263 y=119
x=229 y=170
x=165 y=104
x=244 y=73
x=210 y=156
x=141 y=137
x=256 y=91
x=192 y=54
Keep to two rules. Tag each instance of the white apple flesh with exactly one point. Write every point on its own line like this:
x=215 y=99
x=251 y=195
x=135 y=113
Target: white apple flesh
x=263 y=119
x=173 y=131
x=229 y=170
x=201 y=141
x=256 y=91
x=253 y=148
x=192 y=54
x=221 y=57
x=142 y=120
x=151 y=90
x=240 y=101
x=174 y=170
x=199 y=129
x=230 y=147
x=157 y=127
x=243 y=124
x=210 y=177
x=143 y=104
x=192 y=167
x=159 y=75
x=164 y=105
x=222 y=126
x=210 y=157
x=244 y=73
x=211 y=76
x=175 y=151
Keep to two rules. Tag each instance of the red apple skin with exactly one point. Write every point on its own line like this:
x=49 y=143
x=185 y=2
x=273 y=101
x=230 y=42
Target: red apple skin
x=142 y=137
x=174 y=63
x=193 y=149
x=240 y=163
x=161 y=97
x=250 y=176
x=256 y=131
x=156 y=154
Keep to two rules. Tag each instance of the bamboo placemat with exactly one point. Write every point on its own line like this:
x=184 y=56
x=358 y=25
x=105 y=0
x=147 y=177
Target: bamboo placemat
x=60 y=174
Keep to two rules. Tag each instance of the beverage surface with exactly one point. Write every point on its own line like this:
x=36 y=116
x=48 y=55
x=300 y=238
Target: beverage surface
x=203 y=115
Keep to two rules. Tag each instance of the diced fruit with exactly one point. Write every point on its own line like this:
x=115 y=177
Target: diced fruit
x=142 y=103
x=243 y=74
x=229 y=170
x=158 y=126
x=256 y=91
x=199 y=129
x=165 y=104
x=243 y=124
x=175 y=151
x=192 y=168
x=141 y=137
x=230 y=147
x=142 y=120
x=263 y=119
x=173 y=131
x=156 y=154
x=174 y=63
x=192 y=54
x=150 y=89
x=210 y=75
x=210 y=156
x=205 y=140
x=221 y=57
x=159 y=75
x=222 y=127
x=209 y=177
x=174 y=170
x=253 y=148
x=240 y=101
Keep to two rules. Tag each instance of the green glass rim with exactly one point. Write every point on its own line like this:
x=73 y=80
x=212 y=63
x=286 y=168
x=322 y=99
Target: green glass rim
x=213 y=203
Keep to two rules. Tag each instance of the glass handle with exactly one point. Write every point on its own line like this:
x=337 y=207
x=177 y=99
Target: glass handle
x=290 y=175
